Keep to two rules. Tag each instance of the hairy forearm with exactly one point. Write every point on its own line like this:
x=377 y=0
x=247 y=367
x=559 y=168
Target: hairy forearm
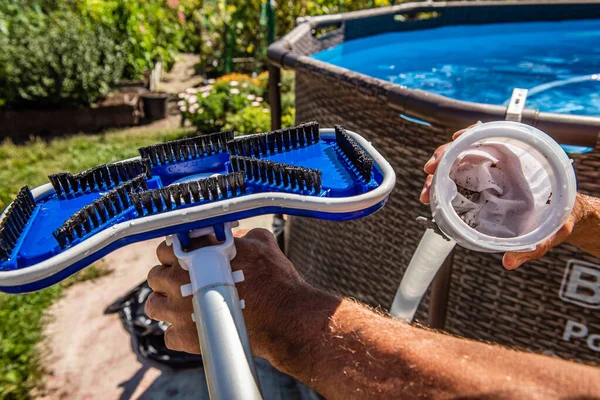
x=586 y=234
x=345 y=350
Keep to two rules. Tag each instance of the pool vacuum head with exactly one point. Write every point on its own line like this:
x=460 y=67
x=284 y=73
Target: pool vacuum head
x=53 y=231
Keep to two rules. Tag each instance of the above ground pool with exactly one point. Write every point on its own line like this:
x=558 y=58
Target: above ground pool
x=406 y=77
x=559 y=62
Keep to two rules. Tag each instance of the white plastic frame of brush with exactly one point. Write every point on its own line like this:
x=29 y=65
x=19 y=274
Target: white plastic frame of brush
x=443 y=190
x=143 y=225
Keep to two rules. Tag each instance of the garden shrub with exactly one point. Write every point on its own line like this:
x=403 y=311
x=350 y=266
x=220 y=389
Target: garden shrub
x=149 y=30
x=58 y=59
x=237 y=102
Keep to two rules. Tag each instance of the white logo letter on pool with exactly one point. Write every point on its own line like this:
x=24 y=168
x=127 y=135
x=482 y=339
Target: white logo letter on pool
x=581 y=284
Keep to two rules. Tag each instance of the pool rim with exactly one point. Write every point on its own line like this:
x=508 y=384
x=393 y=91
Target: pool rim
x=417 y=104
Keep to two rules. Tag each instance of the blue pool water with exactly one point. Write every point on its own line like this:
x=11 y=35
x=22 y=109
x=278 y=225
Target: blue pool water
x=557 y=61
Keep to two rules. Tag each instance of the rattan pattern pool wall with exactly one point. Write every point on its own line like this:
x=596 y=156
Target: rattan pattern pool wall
x=365 y=259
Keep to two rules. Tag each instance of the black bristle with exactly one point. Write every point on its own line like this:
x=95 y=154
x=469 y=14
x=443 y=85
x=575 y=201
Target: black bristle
x=208 y=148
x=162 y=153
x=114 y=173
x=72 y=182
x=195 y=190
x=240 y=184
x=231 y=148
x=231 y=183
x=203 y=185
x=16 y=217
x=108 y=206
x=263 y=144
x=156 y=199
x=187 y=148
x=100 y=177
x=222 y=183
x=60 y=238
x=271 y=140
x=106 y=176
x=293 y=133
x=94 y=216
x=256 y=167
x=279 y=140
x=55 y=184
x=96 y=177
x=169 y=152
x=122 y=193
x=147 y=167
x=89 y=180
x=354 y=153
x=247 y=167
x=77 y=229
x=289 y=140
x=188 y=193
x=101 y=211
x=113 y=197
x=255 y=147
x=166 y=196
x=213 y=188
x=64 y=182
x=85 y=220
x=122 y=172
x=269 y=172
x=151 y=154
x=176 y=194
x=147 y=201
x=135 y=199
x=130 y=170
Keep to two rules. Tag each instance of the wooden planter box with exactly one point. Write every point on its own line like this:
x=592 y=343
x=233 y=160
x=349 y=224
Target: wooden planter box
x=119 y=110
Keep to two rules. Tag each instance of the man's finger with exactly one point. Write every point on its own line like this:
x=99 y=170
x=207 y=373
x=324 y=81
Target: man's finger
x=182 y=337
x=425 y=193
x=459 y=133
x=157 y=307
x=165 y=254
x=513 y=260
x=168 y=280
x=434 y=161
x=240 y=233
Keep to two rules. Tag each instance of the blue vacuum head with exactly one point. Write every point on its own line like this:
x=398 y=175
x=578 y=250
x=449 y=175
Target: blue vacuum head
x=53 y=231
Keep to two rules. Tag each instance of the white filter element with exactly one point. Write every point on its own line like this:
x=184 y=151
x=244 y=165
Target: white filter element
x=502 y=189
x=502 y=186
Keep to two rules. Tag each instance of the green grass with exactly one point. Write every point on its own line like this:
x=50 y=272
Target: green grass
x=21 y=321
x=30 y=163
x=22 y=316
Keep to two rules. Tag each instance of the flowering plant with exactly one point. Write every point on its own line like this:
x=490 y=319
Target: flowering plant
x=212 y=107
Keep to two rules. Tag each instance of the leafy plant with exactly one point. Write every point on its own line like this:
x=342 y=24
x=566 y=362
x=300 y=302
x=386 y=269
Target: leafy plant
x=209 y=108
x=56 y=59
x=149 y=31
x=236 y=101
x=250 y=120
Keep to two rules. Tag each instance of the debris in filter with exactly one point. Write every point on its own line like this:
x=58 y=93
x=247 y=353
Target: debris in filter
x=494 y=194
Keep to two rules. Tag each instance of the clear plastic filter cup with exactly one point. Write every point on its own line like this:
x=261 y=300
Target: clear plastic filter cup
x=501 y=186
